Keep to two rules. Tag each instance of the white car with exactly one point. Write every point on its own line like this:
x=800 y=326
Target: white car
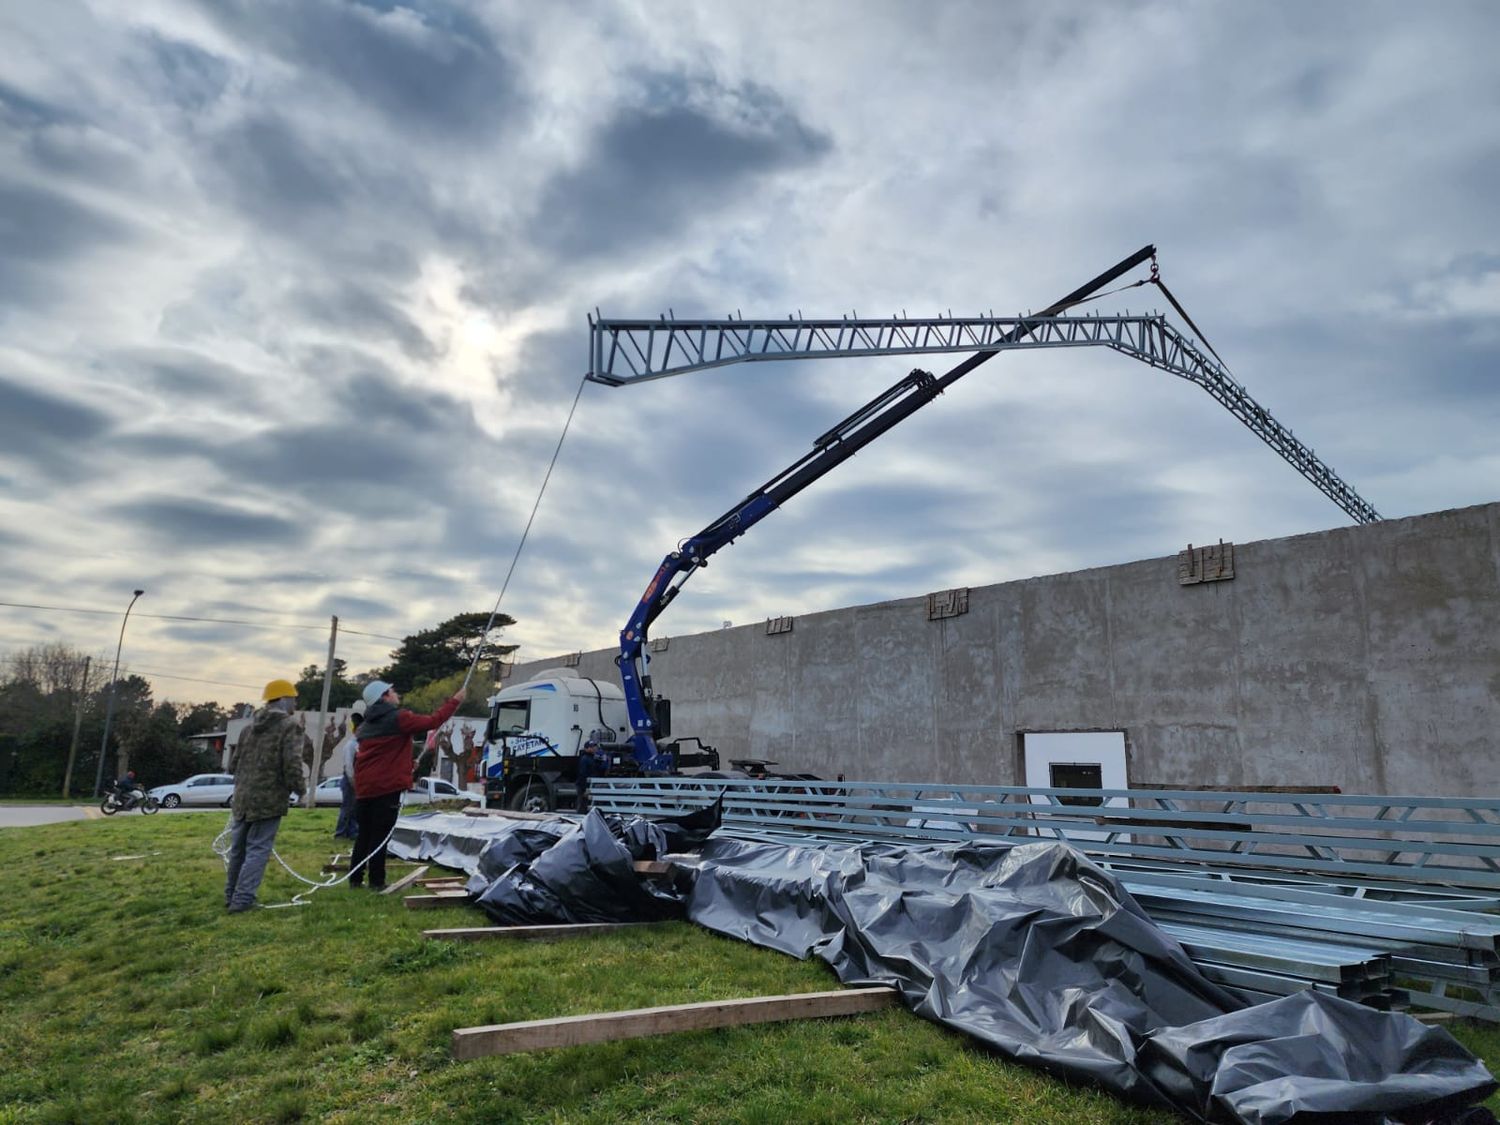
x=426 y=790
x=200 y=789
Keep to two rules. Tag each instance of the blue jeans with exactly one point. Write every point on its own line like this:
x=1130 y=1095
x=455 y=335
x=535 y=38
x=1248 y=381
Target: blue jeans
x=250 y=844
x=346 y=825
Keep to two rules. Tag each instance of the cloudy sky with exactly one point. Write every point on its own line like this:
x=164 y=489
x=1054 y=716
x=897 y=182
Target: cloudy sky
x=293 y=299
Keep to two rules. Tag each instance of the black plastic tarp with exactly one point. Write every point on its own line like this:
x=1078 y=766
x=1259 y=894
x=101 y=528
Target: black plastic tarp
x=561 y=869
x=483 y=847
x=1041 y=954
x=1033 y=950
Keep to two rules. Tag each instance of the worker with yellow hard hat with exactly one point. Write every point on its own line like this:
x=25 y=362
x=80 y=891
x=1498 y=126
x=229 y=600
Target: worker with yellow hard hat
x=267 y=768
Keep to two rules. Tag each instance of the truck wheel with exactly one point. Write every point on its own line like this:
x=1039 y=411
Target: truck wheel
x=532 y=797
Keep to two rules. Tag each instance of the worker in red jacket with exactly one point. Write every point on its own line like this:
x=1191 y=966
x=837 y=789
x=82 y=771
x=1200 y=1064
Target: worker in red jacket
x=383 y=771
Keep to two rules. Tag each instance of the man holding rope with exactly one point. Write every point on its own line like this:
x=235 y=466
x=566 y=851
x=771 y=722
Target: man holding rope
x=383 y=769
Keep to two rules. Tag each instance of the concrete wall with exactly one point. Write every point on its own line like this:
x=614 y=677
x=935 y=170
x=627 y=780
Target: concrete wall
x=1364 y=657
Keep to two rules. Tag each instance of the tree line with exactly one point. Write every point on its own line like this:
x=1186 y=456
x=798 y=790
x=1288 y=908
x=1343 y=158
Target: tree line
x=50 y=711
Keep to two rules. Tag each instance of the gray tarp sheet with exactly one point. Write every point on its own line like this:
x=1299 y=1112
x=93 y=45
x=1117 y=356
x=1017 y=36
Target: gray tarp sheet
x=1033 y=950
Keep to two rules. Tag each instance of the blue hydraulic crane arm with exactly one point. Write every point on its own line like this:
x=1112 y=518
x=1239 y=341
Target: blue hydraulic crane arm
x=893 y=405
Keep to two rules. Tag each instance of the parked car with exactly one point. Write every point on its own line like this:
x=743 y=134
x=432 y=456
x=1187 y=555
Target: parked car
x=328 y=792
x=200 y=789
x=426 y=790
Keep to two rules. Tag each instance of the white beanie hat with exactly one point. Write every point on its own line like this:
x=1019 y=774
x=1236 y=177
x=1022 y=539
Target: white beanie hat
x=374 y=690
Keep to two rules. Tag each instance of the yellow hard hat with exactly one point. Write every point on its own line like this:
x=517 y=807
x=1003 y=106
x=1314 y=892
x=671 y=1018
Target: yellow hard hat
x=279 y=689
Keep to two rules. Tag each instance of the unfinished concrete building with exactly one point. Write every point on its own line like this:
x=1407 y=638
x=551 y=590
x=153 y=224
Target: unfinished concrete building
x=1366 y=658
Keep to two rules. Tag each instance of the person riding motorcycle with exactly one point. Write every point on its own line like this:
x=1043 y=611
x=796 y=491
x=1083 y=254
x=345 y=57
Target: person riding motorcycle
x=128 y=790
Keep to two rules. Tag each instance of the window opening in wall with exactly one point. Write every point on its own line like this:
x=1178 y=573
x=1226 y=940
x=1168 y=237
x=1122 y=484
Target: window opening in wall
x=1077 y=775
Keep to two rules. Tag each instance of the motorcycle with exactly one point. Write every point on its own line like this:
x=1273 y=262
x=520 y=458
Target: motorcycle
x=115 y=801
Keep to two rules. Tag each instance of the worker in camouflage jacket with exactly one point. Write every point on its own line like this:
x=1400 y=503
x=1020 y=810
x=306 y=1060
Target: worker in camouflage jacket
x=267 y=768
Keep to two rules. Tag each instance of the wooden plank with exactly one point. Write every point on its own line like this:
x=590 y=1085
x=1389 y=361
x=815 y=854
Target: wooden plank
x=530 y=933
x=652 y=867
x=405 y=881
x=438 y=898
x=604 y=1027
x=448 y=881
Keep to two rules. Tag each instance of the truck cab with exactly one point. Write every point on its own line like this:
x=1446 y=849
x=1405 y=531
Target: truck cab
x=534 y=741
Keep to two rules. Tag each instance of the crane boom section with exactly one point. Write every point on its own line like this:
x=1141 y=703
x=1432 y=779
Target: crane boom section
x=892 y=406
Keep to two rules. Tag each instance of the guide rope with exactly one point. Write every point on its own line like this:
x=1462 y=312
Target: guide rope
x=479 y=648
x=221 y=842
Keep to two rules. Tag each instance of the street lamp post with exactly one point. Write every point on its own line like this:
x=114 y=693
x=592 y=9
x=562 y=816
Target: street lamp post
x=109 y=710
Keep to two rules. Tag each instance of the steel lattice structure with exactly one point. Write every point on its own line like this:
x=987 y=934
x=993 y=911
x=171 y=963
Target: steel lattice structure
x=634 y=351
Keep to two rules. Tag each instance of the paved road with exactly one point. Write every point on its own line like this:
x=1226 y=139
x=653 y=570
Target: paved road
x=24 y=816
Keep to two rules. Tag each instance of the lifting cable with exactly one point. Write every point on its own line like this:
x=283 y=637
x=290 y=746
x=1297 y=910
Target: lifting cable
x=221 y=847
x=479 y=649
x=1155 y=279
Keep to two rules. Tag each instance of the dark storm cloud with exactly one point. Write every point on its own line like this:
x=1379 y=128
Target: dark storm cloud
x=367 y=611
x=201 y=637
x=186 y=74
x=1093 y=513
x=48 y=431
x=881 y=583
x=274 y=175
x=200 y=523
x=549 y=364
x=395 y=406
x=185 y=374
x=353 y=307
x=42 y=227
x=24 y=113
x=328 y=455
x=296 y=577
x=1399 y=357
x=339 y=201
x=436 y=68
x=382 y=447
x=656 y=168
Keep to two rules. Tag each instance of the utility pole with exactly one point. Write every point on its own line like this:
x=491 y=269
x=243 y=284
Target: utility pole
x=317 y=764
x=83 y=693
x=109 y=711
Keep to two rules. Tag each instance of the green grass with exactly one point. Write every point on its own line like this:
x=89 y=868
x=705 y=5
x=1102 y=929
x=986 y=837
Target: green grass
x=127 y=994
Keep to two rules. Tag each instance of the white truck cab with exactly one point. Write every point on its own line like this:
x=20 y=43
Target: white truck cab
x=537 y=730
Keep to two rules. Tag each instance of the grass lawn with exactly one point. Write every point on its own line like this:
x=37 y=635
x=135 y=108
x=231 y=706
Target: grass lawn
x=126 y=993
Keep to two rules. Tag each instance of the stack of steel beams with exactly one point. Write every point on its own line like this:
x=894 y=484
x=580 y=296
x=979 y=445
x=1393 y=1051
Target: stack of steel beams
x=1263 y=966
x=1378 y=899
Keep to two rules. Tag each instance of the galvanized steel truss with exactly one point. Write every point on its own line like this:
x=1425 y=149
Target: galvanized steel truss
x=633 y=351
x=1368 y=897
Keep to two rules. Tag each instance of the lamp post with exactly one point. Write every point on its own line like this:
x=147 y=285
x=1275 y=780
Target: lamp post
x=109 y=710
